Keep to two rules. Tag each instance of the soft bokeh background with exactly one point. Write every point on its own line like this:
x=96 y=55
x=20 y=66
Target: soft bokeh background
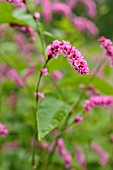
x=24 y=53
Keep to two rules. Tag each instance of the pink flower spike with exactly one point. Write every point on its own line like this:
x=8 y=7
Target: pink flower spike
x=44 y=71
x=36 y=15
x=75 y=58
x=40 y=95
x=3 y=129
x=78 y=119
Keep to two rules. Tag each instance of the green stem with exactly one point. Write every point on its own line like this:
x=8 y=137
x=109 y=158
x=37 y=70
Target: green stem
x=36 y=122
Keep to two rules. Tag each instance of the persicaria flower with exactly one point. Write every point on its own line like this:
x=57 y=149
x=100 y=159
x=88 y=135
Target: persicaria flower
x=102 y=154
x=78 y=119
x=44 y=71
x=84 y=24
x=63 y=153
x=3 y=129
x=97 y=101
x=74 y=56
x=57 y=75
x=91 y=7
x=80 y=157
x=40 y=95
x=107 y=45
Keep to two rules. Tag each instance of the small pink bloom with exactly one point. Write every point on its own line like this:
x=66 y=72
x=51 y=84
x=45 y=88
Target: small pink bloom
x=78 y=119
x=44 y=71
x=36 y=15
x=57 y=75
x=3 y=129
x=40 y=95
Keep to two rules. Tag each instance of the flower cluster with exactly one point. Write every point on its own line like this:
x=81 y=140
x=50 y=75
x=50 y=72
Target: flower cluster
x=63 y=153
x=80 y=157
x=74 y=56
x=3 y=129
x=107 y=45
x=102 y=154
x=96 y=101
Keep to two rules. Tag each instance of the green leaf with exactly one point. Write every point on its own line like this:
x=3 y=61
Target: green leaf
x=50 y=114
x=18 y=16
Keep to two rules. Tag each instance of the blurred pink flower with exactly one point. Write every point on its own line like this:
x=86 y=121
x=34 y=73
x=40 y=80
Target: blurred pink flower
x=63 y=153
x=62 y=8
x=57 y=75
x=4 y=68
x=3 y=129
x=71 y=3
x=107 y=45
x=102 y=154
x=28 y=72
x=13 y=74
x=84 y=24
x=80 y=157
x=90 y=6
x=17 y=3
x=97 y=101
x=3 y=28
x=47 y=11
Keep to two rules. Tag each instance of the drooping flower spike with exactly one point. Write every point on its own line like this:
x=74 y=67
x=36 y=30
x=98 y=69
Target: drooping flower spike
x=75 y=58
x=107 y=45
x=97 y=101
